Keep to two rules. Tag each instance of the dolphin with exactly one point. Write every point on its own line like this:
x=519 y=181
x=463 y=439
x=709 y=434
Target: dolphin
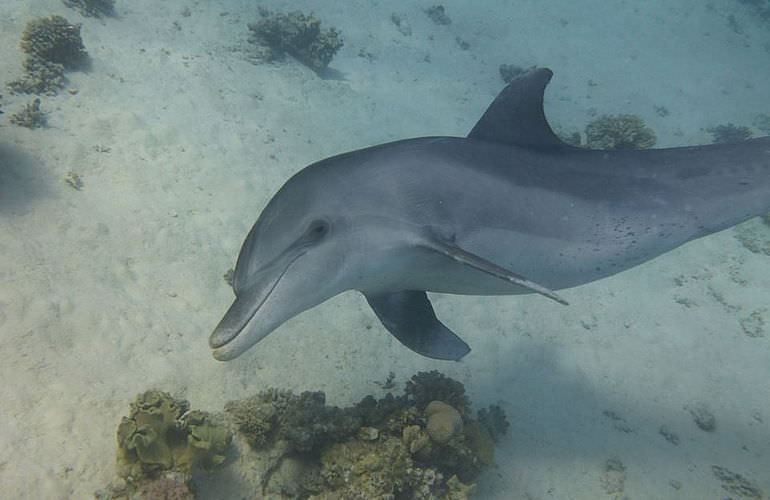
x=509 y=209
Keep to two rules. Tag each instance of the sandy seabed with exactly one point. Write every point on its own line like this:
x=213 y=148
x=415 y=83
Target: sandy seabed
x=179 y=141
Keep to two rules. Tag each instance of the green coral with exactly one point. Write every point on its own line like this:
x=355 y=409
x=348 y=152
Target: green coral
x=619 y=132
x=297 y=34
x=92 y=8
x=161 y=433
x=52 y=45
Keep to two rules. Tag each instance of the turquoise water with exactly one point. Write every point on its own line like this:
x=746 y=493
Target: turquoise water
x=121 y=215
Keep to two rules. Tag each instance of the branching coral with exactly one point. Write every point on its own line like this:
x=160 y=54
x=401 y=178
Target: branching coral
x=619 y=132
x=297 y=34
x=52 y=45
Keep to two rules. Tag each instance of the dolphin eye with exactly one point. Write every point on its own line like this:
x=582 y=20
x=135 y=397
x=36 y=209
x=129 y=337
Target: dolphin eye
x=318 y=229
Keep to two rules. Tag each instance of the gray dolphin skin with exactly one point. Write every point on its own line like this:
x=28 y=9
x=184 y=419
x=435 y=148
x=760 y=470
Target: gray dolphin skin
x=510 y=209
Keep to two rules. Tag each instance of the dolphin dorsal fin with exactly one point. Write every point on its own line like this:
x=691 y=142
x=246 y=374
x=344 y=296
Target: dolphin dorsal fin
x=516 y=116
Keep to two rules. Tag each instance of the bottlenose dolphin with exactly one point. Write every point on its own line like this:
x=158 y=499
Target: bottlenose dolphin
x=509 y=209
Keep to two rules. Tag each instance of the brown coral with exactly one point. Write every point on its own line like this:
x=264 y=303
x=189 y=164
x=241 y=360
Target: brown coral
x=444 y=421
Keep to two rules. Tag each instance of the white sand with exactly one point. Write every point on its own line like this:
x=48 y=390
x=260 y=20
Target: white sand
x=114 y=289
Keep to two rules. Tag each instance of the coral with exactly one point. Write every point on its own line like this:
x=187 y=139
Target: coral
x=401 y=23
x=413 y=446
x=368 y=470
x=493 y=420
x=729 y=133
x=762 y=122
x=92 y=8
x=40 y=77
x=167 y=486
x=613 y=479
x=619 y=132
x=375 y=412
x=73 y=180
x=444 y=422
x=161 y=433
x=55 y=40
x=735 y=483
x=383 y=470
x=438 y=15
x=30 y=116
x=297 y=34
x=480 y=443
x=228 y=276
x=304 y=421
x=425 y=387
x=52 y=45
x=703 y=417
x=509 y=72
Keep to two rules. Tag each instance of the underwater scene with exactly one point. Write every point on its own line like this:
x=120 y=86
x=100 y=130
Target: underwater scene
x=384 y=250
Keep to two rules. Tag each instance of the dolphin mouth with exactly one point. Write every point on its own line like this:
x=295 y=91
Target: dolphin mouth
x=235 y=332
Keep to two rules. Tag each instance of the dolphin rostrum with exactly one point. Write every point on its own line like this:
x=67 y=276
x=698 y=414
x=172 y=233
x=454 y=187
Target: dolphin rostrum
x=510 y=209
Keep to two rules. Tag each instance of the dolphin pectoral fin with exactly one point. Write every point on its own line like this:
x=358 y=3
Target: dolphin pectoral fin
x=469 y=259
x=409 y=316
